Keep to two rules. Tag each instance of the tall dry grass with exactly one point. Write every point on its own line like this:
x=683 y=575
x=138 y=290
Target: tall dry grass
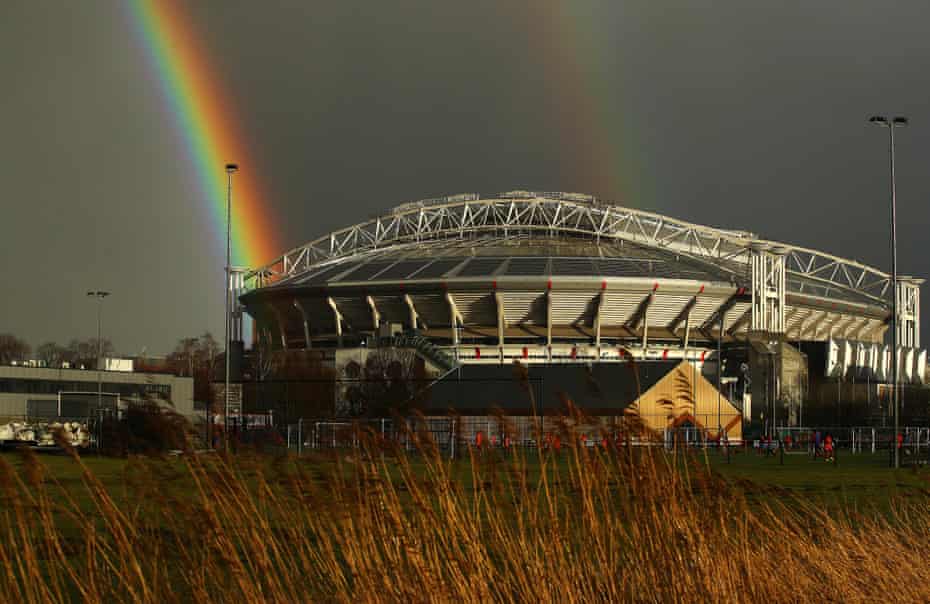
x=626 y=525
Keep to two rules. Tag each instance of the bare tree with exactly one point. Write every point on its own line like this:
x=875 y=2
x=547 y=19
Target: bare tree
x=299 y=383
x=392 y=379
x=83 y=353
x=51 y=354
x=209 y=348
x=13 y=349
x=196 y=357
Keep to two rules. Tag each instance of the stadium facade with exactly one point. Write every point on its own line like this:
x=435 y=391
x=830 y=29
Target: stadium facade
x=562 y=282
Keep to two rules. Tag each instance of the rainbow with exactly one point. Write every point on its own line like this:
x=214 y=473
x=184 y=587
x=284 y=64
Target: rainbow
x=204 y=118
x=573 y=54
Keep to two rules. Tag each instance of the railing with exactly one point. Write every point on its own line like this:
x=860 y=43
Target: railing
x=454 y=435
x=426 y=349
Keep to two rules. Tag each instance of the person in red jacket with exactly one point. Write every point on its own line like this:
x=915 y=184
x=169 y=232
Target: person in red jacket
x=828 y=447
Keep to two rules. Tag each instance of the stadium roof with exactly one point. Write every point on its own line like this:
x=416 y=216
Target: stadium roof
x=526 y=234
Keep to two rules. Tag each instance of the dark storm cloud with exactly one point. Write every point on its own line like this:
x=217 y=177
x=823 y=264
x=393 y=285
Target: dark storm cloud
x=743 y=115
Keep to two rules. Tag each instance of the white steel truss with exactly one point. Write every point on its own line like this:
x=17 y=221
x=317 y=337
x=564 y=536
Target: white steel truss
x=520 y=212
x=909 y=312
x=768 y=288
x=237 y=287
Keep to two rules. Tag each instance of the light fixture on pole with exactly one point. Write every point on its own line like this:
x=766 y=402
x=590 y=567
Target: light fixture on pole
x=227 y=291
x=99 y=295
x=895 y=122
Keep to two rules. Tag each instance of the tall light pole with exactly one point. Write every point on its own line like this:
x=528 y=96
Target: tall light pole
x=719 y=378
x=99 y=295
x=895 y=122
x=227 y=287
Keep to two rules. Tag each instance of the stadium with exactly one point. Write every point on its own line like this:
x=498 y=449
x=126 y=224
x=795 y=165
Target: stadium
x=612 y=308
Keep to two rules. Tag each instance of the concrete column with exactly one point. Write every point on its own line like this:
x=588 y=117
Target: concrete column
x=306 y=322
x=338 y=317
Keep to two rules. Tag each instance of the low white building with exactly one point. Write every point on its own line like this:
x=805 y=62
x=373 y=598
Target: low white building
x=31 y=391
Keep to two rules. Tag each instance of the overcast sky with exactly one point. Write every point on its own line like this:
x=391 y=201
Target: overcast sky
x=748 y=115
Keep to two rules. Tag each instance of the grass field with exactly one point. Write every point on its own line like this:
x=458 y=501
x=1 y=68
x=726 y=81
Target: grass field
x=860 y=481
x=378 y=525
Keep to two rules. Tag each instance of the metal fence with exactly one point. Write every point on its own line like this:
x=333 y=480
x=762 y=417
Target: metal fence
x=409 y=434
x=453 y=435
x=914 y=440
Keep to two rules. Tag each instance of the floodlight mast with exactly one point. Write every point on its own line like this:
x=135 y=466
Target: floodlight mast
x=231 y=168
x=895 y=122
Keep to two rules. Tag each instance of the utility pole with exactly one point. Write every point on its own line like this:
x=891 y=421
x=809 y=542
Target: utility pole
x=227 y=291
x=720 y=376
x=896 y=122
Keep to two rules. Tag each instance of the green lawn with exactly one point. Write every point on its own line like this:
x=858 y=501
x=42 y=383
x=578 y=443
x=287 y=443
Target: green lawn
x=861 y=481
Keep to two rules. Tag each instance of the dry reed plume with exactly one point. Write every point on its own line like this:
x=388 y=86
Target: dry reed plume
x=375 y=525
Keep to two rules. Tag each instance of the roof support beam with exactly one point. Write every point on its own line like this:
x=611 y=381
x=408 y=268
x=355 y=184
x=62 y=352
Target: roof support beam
x=601 y=301
x=817 y=320
x=841 y=326
x=549 y=320
x=739 y=323
x=861 y=329
x=280 y=321
x=456 y=318
x=266 y=338
x=831 y=326
x=414 y=315
x=712 y=321
x=646 y=325
x=499 y=303
x=813 y=327
x=790 y=314
x=876 y=332
x=683 y=315
x=825 y=326
x=375 y=315
x=803 y=323
x=305 y=321
x=848 y=331
x=684 y=342
x=639 y=317
x=338 y=317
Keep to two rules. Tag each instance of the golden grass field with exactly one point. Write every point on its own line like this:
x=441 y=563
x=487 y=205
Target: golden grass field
x=376 y=525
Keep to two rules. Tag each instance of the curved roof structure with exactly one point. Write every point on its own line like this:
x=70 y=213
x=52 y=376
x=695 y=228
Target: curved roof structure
x=526 y=233
x=530 y=267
